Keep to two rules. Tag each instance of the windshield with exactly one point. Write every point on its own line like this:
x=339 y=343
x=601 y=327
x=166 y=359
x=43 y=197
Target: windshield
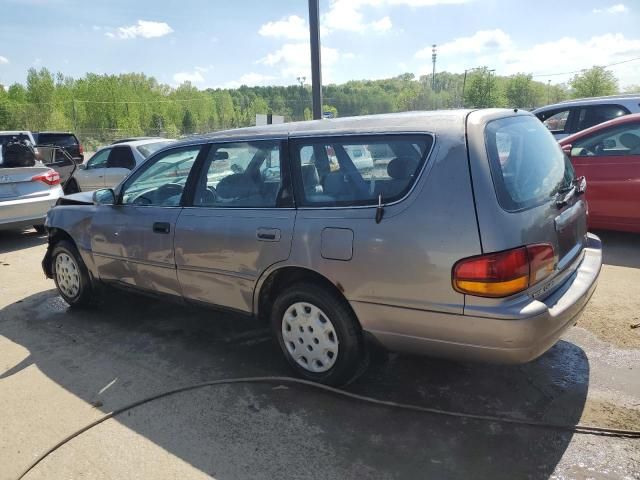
x=150 y=148
x=527 y=164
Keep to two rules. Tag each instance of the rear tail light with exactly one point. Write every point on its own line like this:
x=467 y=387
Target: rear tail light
x=80 y=149
x=50 y=178
x=504 y=273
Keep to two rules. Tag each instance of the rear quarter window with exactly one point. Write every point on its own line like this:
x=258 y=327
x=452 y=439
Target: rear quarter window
x=528 y=166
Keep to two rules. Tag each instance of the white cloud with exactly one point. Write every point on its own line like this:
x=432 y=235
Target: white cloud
x=347 y=15
x=479 y=42
x=292 y=27
x=143 y=28
x=613 y=9
x=382 y=25
x=3 y=60
x=201 y=69
x=496 y=49
x=96 y=28
x=194 y=77
x=293 y=60
x=250 y=79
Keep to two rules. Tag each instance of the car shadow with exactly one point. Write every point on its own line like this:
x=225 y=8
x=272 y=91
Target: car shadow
x=12 y=240
x=620 y=248
x=133 y=347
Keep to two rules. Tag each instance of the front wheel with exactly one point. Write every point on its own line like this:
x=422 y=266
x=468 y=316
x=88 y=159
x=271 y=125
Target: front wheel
x=318 y=334
x=71 y=275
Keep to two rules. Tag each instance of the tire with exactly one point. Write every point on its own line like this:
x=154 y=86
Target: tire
x=318 y=334
x=73 y=283
x=71 y=187
x=41 y=229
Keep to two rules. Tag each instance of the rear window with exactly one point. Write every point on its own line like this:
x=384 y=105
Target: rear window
x=151 y=148
x=57 y=139
x=527 y=164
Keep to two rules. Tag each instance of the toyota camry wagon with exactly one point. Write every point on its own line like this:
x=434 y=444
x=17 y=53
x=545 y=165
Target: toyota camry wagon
x=464 y=237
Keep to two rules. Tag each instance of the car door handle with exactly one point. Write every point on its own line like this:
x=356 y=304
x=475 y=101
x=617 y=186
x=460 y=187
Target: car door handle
x=161 y=227
x=268 y=234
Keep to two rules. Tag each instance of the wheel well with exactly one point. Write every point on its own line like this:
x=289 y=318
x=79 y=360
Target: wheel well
x=283 y=278
x=55 y=235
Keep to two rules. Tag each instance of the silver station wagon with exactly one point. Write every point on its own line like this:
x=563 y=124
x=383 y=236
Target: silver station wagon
x=464 y=236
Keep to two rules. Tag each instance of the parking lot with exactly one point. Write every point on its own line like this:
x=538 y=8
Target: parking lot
x=60 y=370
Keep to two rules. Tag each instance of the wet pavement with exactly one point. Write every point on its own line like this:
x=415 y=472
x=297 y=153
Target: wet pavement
x=62 y=369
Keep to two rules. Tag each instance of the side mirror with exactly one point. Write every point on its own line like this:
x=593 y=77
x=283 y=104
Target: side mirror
x=106 y=196
x=567 y=149
x=82 y=166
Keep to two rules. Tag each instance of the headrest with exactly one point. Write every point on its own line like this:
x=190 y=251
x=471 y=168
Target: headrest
x=630 y=141
x=401 y=168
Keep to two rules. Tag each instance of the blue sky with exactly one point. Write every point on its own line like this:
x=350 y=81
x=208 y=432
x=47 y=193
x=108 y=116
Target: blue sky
x=227 y=43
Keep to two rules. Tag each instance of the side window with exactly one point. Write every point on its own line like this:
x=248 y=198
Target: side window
x=351 y=171
x=121 y=157
x=162 y=181
x=555 y=120
x=242 y=174
x=594 y=115
x=99 y=160
x=619 y=141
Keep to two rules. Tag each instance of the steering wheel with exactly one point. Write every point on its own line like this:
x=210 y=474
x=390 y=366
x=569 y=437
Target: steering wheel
x=142 y=200
x=209 y=196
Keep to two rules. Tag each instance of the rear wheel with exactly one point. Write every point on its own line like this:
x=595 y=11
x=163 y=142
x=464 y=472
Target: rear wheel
x=71 y=275
x=318 y=334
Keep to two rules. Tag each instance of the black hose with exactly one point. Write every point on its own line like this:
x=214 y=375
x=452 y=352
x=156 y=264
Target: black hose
x=583 y=429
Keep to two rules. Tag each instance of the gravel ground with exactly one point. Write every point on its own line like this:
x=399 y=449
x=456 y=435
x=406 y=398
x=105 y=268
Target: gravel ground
x=61 y=369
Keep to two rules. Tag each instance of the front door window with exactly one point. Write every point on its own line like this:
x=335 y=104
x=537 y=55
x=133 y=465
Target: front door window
x=162 y=182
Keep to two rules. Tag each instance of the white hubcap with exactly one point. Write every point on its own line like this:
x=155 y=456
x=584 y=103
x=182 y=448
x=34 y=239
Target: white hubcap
x=68 y=275
x=310 y=337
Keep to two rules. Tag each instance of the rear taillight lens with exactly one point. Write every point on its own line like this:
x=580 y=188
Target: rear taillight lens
x=504 y=273
x=80 y=149
x=50 y=178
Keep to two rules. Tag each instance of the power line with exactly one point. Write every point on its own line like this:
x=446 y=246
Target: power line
x=583 y=69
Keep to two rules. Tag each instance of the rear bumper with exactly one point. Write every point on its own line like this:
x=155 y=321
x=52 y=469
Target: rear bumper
x=499 y=340
x=22 y=213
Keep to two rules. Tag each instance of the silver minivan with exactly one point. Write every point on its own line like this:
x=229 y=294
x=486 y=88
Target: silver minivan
x=467 y=239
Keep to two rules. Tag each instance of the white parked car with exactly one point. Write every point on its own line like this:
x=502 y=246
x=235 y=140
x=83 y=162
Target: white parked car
x=26 y=195
x=111 y=164
x=360 y=156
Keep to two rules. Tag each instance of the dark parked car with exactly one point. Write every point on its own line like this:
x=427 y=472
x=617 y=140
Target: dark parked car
x=470 y=242
x=572 y=116
x=608 y=156
x=54 y=157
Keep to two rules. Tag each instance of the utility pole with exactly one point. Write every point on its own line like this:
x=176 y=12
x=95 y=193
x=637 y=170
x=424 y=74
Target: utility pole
x=548 y=91
x=316 y=74
x=489 y=86
x=433 y=59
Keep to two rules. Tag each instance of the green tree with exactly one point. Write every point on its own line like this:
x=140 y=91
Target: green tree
x=520 y=91
x=596 y=81
x=187 y=122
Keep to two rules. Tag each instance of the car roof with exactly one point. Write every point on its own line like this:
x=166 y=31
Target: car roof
x=625 y=100
x=15 y=132
x=55 y=133
x=137 y=143
x=631 y=118
x=437 y=121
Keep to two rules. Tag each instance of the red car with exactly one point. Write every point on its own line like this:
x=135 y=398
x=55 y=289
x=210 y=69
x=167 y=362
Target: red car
x=608 y=155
